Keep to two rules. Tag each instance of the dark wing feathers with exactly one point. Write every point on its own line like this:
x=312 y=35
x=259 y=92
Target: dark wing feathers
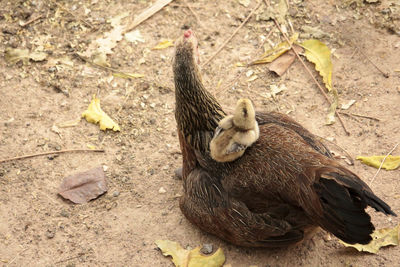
x=344 y=197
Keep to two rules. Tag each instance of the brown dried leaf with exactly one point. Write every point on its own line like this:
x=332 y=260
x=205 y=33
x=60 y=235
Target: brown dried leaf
x=84 y=186
x=282 y=63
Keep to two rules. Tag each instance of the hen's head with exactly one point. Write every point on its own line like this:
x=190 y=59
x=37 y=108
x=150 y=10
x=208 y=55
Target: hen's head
x=186 y=48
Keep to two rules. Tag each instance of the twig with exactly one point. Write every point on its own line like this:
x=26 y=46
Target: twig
x=359 y=115
x=312 y=76
x=50 y=153
x=147 y=13
x=11 y=261
x=232 y=35
x=194 y=14
x=71 y=258
x=385 y=74
x=24 y=24
x=380 y=167
x=72 y=14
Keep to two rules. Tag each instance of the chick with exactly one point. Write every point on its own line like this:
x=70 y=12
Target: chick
x=235 y=133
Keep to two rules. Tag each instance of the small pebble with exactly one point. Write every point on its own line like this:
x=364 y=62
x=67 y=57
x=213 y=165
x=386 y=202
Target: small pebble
x=64 y=213
x=207 y=249
x=162 y=190
x=50 y=234
x=116 y=193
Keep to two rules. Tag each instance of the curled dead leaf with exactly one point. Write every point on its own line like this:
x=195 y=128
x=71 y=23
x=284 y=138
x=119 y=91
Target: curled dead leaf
x=95 y=114
x=391 y=162
x=271 y=54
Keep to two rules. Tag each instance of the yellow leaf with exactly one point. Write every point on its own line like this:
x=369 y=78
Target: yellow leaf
x=391 y=162
x=190 y=258
x=12 y=55
x=380 y=238
x=126 y=75
x=95 y=114
x=319 y=54
x=90 y=146
x=163 y=44
x=271 y=54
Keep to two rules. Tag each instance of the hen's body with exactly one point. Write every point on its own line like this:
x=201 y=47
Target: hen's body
x=284 y=185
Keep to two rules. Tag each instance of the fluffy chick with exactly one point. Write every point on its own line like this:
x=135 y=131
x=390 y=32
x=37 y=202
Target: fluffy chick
x=235 y=133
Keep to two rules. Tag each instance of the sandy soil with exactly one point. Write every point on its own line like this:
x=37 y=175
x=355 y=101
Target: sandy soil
x=39 y=228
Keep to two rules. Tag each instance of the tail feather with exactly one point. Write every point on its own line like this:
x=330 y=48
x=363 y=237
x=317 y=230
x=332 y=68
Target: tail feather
x=343 y=213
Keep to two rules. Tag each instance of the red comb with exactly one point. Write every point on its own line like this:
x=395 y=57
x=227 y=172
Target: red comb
x=188 y=33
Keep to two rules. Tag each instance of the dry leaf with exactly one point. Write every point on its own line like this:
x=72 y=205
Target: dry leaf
x=391 y=162
x=380 y=238
x=127 y=75
x=319 y=54
x=244 y=3
x=95 y=114
x=84 y=186
x=110 y=40
x=101 y=60
x=271 y=54
x=12 y=55
x=190 y=258
x=163 y=44
x=282 y=63
x=134 y=37
x=348 y=104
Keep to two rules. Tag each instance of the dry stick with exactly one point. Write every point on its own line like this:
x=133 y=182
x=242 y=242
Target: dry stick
x=147 y=13
x=380 y=167
x=50 y=153
x=232 y=35
x=312 y=76
x=194 y=14
x=71 y=258
x=11 y=261
x=72 y=14
x=359 y=115
x=385 y=74
x=24 y=24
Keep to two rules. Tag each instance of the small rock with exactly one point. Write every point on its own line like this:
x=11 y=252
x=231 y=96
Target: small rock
x=64 y=213
x=207 y=249
x=50 y=234
x=162 y=190
x=115 y=194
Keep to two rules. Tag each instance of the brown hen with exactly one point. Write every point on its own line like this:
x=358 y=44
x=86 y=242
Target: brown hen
x=285 y=185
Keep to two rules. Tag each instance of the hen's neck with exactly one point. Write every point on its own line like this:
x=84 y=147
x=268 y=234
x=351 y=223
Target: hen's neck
x=197 y=112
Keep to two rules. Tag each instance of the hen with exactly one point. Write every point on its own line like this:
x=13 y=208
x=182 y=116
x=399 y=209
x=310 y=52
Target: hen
x=284 y=186
x=235 y=133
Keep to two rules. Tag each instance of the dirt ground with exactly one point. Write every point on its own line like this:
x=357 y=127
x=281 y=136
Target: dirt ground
x=39 y=228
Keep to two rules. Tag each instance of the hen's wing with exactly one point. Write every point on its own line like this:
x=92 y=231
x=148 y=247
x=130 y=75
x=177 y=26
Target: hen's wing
x=208 y=206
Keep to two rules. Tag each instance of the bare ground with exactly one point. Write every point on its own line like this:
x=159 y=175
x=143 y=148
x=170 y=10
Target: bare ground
x=39 y=228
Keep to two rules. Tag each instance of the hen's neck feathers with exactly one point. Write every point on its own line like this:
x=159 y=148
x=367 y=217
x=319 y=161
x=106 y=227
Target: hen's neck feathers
x=197 y=112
